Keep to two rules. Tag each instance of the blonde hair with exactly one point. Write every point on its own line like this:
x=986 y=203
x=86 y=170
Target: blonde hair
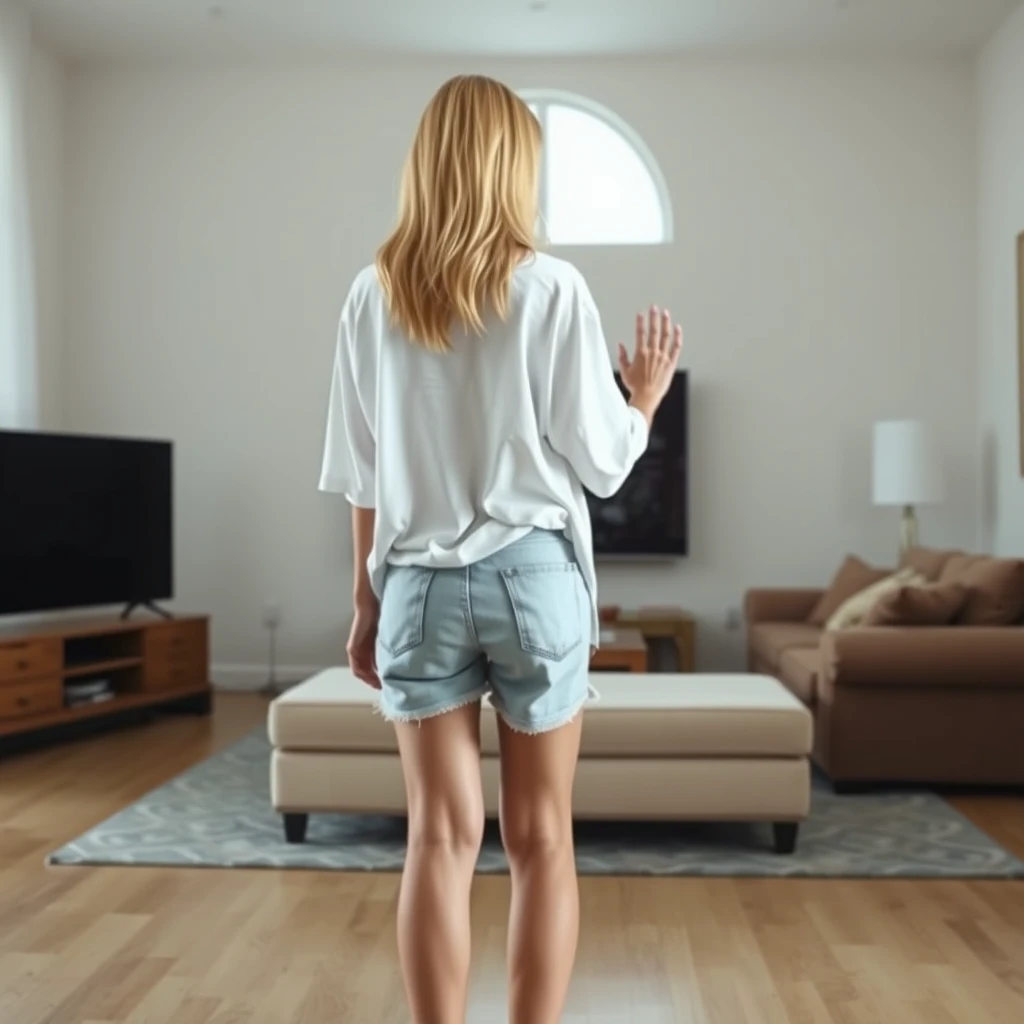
x=467 y=211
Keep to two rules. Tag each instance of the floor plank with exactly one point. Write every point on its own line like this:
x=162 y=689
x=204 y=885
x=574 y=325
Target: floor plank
x=153 y=945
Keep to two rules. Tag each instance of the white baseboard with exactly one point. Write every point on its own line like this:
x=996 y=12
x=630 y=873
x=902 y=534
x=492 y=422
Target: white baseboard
x=254 y=677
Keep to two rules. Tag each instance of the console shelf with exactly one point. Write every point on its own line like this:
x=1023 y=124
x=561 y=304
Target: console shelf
x=95 y=667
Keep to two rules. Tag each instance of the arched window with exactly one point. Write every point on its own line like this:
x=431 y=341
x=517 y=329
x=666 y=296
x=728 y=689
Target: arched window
x=600 y=184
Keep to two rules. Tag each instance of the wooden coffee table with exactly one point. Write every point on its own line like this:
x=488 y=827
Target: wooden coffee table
x=621 y=650
x=656 y=623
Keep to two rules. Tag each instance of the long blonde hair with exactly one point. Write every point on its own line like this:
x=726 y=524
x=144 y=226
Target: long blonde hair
x=467 y=211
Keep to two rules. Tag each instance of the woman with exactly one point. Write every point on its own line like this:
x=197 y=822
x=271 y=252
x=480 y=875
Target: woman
x=473 y=400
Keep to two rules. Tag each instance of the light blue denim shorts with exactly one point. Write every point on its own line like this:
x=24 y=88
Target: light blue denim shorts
x=515 y=626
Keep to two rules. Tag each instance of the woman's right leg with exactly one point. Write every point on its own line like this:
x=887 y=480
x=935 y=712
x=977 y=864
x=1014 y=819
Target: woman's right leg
x=441 y=763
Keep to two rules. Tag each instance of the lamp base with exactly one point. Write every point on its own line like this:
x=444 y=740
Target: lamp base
x=908 y=528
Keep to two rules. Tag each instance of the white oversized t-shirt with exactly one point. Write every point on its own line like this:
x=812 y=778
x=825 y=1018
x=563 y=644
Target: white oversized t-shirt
x=465 y=452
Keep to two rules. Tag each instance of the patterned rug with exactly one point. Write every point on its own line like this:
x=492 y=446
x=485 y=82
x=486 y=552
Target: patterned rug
x=218 y=814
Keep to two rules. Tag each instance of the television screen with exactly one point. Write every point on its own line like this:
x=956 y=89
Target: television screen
x=83 y=521
x=648 y=516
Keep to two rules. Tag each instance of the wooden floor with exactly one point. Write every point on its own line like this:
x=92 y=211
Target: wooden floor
x=148 y=946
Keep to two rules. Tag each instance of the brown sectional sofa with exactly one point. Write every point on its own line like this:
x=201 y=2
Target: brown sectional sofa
x=936 y=704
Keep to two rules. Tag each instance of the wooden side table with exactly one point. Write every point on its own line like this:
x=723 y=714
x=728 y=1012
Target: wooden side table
x=653 y=623
x=625 y=651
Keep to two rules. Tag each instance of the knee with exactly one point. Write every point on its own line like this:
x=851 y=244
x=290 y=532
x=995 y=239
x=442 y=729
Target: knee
x=456 y=829
x=538 y=834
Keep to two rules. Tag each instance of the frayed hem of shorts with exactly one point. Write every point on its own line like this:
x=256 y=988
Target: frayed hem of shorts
x=550 y=724
x=416 y=717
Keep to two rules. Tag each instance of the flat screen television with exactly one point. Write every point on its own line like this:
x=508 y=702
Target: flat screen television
x=83 y=521
x=649 y=514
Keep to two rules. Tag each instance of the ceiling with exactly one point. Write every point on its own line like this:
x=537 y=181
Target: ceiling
x=142 y=28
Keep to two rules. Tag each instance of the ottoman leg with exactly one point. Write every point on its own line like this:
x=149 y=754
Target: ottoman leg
x=295 y=827
x=785 y=836
x=851 y=788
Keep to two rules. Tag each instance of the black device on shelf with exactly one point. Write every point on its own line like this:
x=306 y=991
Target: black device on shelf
x=649 y=514
x=83 y=521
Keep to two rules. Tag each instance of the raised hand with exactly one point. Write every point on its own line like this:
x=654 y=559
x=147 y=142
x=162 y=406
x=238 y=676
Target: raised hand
x=648 y=374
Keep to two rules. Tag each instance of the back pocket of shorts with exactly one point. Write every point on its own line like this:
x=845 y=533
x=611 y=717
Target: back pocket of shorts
x=546 y=603
x=403 y=607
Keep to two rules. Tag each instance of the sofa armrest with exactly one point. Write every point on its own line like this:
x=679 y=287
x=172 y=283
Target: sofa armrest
x=923 y=656
x=780 y=604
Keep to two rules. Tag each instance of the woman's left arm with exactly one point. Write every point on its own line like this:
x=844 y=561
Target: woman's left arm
x=349 y=466
x=362 y=641
x=363 y=521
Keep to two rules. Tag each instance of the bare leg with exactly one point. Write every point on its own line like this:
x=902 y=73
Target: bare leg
x=441 y=763
x=537 y=775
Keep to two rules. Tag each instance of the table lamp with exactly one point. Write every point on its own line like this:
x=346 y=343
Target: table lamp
x=906 y=472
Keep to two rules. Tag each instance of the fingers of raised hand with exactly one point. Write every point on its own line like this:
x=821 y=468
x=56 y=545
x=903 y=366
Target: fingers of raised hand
x=657 y=337
x=665 y=331
x=677 y=343
x=624 y=362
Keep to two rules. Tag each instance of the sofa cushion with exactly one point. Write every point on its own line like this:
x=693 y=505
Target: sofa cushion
x=931 y=604
x=995 y=589
x=974 y=660
x=852 y=611
x=651 y=715
x=929 y=562
x=955 y=566
x=852 y=577
x=798 y=668
x=769 y=639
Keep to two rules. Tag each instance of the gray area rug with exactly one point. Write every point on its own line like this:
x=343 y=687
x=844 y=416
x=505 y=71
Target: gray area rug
x=218 y=814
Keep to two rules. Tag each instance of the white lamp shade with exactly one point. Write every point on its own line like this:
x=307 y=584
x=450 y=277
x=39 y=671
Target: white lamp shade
x=906 y=465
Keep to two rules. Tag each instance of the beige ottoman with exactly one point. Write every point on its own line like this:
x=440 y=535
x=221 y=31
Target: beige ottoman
x=656 y=746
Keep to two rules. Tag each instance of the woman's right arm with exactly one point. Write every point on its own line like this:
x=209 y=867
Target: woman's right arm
x=590 y=424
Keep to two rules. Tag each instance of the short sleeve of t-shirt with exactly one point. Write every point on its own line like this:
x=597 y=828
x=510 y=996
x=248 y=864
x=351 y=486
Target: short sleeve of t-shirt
x=350 y=449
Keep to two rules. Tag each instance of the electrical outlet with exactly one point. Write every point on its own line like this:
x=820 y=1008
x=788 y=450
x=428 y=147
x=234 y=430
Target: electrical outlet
x=733 y=618
x=271 y=615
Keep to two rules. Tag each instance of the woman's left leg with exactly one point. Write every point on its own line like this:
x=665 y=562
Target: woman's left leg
x=441 y=764
x=537 y=773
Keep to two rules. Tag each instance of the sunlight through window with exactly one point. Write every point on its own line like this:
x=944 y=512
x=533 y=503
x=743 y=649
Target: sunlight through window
x=599 y=183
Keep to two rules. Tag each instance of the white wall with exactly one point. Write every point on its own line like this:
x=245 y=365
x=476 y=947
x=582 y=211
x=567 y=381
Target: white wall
x=824 y=266
x=44 y=130
x=18 y=372
x=1001 y=219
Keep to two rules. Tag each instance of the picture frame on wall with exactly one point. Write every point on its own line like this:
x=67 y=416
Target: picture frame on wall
x=1020 y=343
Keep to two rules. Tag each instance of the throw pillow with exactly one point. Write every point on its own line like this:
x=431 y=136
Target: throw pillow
x=929 y=562
x=933 y=604
x=852 y=611
x=853 y=576
x=956 y=566
x=995 y=589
